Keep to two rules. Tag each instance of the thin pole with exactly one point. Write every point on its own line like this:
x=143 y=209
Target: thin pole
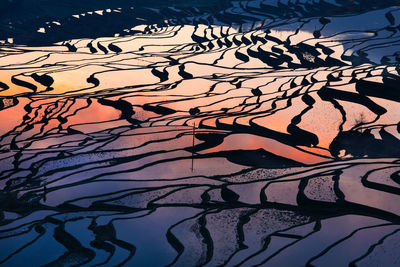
x=194 y=125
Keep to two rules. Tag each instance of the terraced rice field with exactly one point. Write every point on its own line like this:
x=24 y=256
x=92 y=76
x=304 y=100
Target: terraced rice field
x=242 y=133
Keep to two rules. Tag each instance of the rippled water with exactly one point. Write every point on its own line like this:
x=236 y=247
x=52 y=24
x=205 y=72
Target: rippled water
x=235 y=133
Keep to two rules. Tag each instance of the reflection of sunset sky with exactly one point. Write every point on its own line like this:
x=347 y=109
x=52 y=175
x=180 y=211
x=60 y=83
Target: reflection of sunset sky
x=323 y=119
x=253 y=142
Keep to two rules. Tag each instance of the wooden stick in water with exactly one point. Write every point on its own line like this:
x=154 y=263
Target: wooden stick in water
x=194 y=125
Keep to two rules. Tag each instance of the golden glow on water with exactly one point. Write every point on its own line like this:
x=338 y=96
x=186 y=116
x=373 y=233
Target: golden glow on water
x=211 y=90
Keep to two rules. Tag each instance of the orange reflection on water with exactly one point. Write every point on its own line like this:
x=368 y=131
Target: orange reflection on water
x=253 y=142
